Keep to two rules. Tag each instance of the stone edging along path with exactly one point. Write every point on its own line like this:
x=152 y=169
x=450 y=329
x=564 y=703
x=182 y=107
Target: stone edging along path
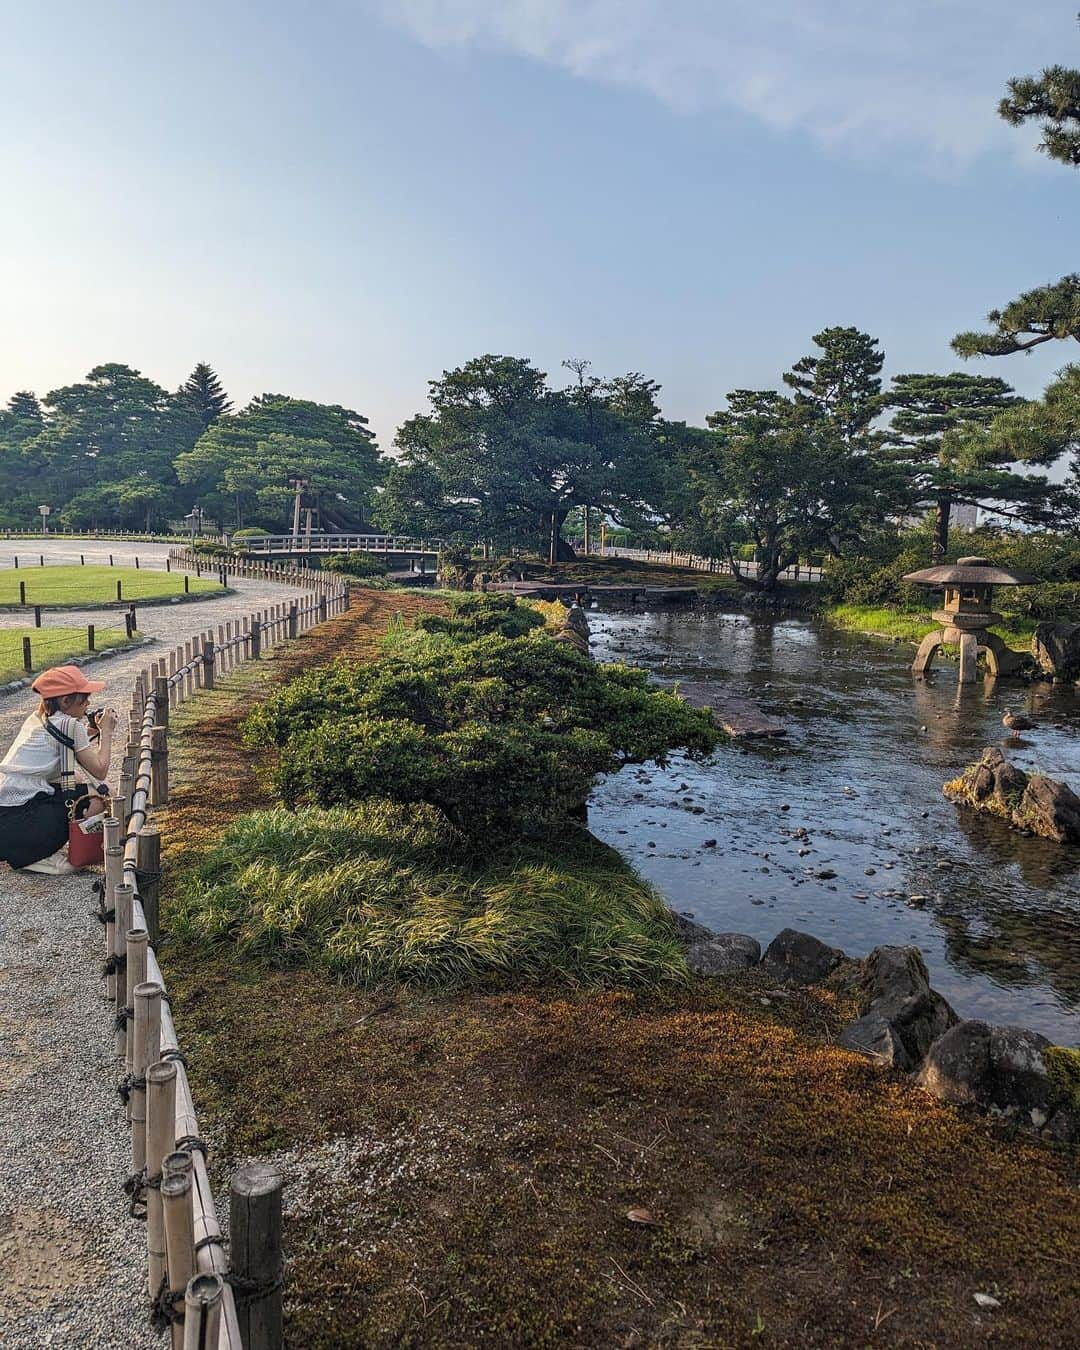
x=125 y=648
x=1007 y=1071
x=184 y=598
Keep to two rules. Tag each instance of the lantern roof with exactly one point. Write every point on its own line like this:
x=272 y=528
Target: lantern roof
x=972 y=571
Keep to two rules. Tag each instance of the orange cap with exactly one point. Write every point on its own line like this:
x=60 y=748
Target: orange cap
x=63 y=680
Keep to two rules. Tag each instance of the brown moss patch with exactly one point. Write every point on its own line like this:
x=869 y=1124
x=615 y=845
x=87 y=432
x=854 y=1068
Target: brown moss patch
x=461 y=1169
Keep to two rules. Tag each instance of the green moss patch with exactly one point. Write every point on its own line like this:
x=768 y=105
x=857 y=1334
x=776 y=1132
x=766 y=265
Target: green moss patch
x=1063 y=1067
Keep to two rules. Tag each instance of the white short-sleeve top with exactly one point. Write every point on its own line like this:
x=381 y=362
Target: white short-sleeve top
x=32 y=765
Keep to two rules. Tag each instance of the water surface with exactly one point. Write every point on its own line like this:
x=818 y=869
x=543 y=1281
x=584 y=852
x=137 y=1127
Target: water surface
x=855 y=789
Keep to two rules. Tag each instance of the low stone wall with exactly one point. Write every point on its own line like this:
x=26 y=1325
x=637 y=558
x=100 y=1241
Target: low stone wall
x=905 y=1024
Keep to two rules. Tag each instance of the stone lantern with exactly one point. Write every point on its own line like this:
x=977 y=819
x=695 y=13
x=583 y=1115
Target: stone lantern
x=967 y=615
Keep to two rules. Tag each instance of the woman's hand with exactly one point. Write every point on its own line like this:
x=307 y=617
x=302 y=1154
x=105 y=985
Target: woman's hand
x=107 y=720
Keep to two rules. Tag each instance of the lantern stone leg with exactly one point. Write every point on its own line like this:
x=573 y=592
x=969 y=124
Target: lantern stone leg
x=1000 y=659
x=969 y=658
x=927 y=651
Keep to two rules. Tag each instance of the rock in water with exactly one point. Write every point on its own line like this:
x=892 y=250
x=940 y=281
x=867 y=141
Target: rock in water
x=722 y=953
x=1056 y=648
x=799 y=958
x=1039 y=804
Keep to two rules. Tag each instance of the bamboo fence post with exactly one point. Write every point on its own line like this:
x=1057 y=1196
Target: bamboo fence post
x=124 y=794
x=256 y=638
x=189 y=675
x=146 y=1042
x=125 y=899
x=137 y=941
x=160 y=1142
x=292 y=619
x=161 y=698
x=255 y=1251
x=221 y=649
x=202 y=1312
x=173 y=687
x=114 y=874
x=148 y=875
x=159 y=766
x=179 y=1241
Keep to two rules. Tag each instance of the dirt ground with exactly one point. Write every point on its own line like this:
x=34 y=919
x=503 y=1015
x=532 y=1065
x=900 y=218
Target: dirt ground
x=695 y=1167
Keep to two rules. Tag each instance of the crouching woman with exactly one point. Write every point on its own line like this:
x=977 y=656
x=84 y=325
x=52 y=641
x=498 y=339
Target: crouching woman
x=34 y=798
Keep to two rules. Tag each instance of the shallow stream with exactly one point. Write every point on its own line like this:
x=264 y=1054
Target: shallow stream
x=840 y=828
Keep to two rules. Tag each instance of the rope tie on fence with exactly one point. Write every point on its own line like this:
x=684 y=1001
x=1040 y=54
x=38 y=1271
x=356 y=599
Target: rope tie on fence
x=115 y=962
x=124 y=1016
x=177 y=1056
x=191 y=1142
x=128 y=1084
x=166 y=1307
x=247 y=1291
x=135 y=1188
x=211 y=1240
x=102 y=914
x=144 y=874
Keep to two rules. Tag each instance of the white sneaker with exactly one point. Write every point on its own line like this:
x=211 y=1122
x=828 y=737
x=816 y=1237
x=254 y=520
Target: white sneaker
x=56 y=866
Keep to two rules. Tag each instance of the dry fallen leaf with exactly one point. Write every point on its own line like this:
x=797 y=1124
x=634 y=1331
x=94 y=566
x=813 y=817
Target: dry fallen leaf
x=987 y=1301
x=641 y=1216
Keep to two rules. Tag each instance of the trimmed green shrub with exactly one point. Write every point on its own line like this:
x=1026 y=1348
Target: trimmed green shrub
x=356 y=564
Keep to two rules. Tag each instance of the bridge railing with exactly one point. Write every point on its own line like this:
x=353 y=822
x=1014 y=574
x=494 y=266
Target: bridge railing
x=332 y=543
x=679 y=558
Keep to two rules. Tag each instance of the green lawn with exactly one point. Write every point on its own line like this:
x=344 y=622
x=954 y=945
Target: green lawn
x=69 y=585
x=913 y=625
x=50 y=647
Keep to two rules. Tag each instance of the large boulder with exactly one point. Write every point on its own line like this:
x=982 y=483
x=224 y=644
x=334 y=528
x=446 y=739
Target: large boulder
x=1003 y=1069
x=1056 y=648
x=799 y=958
x=1039 y=804
x=901 y=1015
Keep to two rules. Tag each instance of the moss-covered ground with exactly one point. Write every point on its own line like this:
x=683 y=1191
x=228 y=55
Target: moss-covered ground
x=696 y=1166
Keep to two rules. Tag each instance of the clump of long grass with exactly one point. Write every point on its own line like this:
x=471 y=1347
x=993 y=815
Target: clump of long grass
x=383 y=893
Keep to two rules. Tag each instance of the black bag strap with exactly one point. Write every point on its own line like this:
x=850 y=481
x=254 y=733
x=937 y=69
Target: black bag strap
x=67 y=752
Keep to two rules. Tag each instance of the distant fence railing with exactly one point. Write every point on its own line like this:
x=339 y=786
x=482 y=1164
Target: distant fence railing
x=698 y=563
x=205 y=1295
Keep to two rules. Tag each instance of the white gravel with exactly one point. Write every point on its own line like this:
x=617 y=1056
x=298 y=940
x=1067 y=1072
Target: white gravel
x=72 y=1262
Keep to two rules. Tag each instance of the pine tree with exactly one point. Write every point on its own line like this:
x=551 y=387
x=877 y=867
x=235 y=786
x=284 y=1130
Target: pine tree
x=25 y=408
x=843 y=384
x=928 y=407
x=202 y=392
x=1054 y=100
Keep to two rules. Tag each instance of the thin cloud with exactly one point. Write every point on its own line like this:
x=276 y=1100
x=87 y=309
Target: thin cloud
x=858 y=76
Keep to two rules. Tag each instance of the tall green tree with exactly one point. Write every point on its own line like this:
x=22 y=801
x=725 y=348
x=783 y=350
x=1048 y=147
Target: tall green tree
x=776 y=474
x=240 y=468
x=202 y=392
x=842 y=384
x=506 y=458
x=926 y=409
x=1053 y=100
x=113 y=426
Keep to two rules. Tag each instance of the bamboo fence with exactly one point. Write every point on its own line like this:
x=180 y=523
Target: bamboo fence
x=203 y=1299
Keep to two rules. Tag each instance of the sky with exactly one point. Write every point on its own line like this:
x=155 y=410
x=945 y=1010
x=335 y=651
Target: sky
x=340 y=200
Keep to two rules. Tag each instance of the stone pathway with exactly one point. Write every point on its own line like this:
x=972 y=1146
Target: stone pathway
x=72 y=1263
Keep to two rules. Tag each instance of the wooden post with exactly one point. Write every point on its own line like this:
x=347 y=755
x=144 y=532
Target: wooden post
x=171 y=683
x=148 y=873
x=208 y=663
x=120 y=590
x=161 y=700
x=256 y=637
x=146 y=1046
x=221 y=649
x=292 y=619
x=132 y=619
x=187 y=583
x=159 y=766
x=27 y=656
x=37 y=616
x=255 y=1250
x=179 y=1240
x=90 y=637
x=202 y=1312
x=322 y=607
x=160 y=1141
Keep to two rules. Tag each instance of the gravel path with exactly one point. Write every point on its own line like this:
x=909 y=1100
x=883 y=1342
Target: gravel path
x=72 y=1263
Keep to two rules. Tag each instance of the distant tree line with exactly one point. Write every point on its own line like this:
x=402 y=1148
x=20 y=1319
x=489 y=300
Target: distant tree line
x=118 y=451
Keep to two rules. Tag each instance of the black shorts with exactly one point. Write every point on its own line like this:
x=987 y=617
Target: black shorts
x=38 y=828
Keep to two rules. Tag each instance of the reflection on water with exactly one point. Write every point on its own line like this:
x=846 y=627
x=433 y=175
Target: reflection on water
x=854 y=791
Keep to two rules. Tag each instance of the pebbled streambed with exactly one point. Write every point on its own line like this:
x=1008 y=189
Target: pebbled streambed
x=841 y=828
